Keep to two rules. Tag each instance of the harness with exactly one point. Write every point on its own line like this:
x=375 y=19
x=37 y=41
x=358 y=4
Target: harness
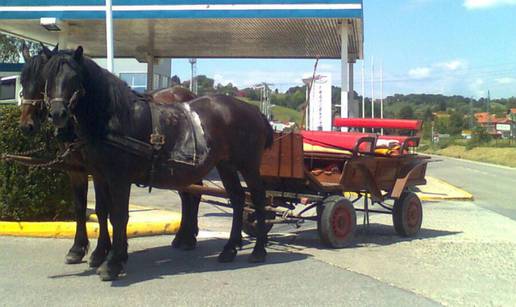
x=190 y=147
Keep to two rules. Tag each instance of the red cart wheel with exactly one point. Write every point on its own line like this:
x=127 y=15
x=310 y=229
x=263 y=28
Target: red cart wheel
x=337 y=222
x=407 y=214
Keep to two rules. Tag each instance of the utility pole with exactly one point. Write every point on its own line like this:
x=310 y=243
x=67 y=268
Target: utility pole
x=363 y=92
x=372 y=87
x=193 y=79
x=488 y=102
x=381 y=93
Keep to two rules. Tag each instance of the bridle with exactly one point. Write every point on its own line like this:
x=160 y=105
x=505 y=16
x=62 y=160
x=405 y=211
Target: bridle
x=39 y=103
x=72 y=102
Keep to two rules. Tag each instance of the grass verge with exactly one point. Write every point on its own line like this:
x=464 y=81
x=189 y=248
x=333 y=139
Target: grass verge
x=496 y=155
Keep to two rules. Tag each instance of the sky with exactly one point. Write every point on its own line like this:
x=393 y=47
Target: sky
x=450 y=47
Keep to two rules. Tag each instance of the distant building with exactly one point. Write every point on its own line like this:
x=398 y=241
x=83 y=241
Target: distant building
x=498 y=126
x=135 y=73
x=10 y=87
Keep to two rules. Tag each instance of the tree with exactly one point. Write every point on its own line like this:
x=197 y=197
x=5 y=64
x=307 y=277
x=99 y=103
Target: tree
x=406 y=112
x=10 y=48
x=455 y=123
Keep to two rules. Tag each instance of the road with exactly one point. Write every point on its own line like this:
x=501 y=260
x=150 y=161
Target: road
x=463 y=255
x=493 y=187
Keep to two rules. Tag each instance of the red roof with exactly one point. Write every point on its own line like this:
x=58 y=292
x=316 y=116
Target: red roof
x=486 y=118
x=512 y=111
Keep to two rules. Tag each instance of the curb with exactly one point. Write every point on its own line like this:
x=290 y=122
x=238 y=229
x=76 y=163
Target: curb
x=454 y=193
x=138 y=228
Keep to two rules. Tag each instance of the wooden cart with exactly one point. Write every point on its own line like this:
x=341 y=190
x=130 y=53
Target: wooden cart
x=298 y=181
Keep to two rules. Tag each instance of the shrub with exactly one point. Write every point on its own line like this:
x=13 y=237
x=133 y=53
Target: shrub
x=29 y=193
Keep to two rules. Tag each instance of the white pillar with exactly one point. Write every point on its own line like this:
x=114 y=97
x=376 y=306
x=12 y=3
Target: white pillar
x=352 y=104
x=344 y=93
x=109 y=36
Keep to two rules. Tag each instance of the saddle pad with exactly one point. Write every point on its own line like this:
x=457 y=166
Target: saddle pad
x=190 y=146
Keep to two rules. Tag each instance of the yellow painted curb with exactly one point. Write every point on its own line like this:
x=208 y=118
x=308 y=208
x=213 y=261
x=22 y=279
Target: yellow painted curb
x=67 y=229
x=451 y=192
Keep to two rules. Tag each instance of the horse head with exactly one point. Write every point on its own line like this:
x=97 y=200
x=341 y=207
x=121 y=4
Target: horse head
x=33 y=110
x=64 y=85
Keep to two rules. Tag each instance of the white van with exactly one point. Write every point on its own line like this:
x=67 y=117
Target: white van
x=10 y=89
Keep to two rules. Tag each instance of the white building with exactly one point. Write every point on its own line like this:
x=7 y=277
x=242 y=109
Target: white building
x=135 y=73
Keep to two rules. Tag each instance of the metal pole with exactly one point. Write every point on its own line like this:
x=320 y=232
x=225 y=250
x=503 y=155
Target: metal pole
x=372 y=87
x=109 y=36
x=363 y=92
x=381 y=93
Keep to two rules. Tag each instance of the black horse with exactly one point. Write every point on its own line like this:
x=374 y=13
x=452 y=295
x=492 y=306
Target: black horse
x=114 y=121
x=34 y=113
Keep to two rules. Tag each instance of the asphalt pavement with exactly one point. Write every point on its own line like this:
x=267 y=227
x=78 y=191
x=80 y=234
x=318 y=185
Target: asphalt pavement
x=463 y=255
x=493 y=187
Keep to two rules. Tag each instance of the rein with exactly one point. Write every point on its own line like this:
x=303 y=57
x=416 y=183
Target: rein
x=23 y=159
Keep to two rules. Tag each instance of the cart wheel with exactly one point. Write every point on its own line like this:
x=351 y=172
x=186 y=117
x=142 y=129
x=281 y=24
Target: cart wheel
x=320 y=209
x=248 y=226
x=407 y=214
x=337 y=222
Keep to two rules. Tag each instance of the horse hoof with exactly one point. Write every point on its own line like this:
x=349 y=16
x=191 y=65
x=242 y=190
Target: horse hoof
x=96 y=260
x=227 y=255
x=257 y=256
x=108 y=272
x=74 y=257
x=177 y=242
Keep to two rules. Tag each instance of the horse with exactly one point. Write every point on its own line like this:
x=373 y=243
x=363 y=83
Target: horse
x=34 y=113
x=115 y=125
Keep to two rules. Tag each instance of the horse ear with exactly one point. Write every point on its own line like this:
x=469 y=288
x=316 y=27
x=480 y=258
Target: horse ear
x=56 y=49
x=77 y=55
x=45 y=50
x=25 y=53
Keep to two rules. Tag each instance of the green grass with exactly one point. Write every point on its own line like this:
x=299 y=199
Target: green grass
x=279 y=113
x=496 y=155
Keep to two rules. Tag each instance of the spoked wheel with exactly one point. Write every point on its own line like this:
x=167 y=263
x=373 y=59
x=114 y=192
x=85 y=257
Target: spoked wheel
x=337 y=222
x=249 y=225
x=407 y=214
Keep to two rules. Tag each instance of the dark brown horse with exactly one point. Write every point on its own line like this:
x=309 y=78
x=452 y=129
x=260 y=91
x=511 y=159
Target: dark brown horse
x=34 y=113
x=106 y=113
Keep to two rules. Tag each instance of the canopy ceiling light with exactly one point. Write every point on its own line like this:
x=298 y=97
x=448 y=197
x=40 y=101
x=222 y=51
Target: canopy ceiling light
x=50 y=23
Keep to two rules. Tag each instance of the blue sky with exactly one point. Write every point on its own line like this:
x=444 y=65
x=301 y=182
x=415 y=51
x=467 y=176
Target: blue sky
x=462 y=47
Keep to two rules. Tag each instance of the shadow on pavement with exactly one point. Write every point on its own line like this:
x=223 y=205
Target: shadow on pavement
x=379 y=234
x=154 y=263
x=157 y=262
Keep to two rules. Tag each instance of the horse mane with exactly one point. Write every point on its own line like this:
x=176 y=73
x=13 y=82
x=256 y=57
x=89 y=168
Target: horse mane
x=32 y=68
x=106 y=104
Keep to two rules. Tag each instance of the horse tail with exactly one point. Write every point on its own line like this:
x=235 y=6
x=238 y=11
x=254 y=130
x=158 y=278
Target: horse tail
x=270 y=132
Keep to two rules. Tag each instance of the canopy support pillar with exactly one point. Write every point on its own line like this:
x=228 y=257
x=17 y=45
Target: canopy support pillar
x=150 y=73
x=344 y=93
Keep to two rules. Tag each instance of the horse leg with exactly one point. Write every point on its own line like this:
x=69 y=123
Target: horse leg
x=236 y=193
x=188 y=230
x=118 y=216
x=255 y=184
x=101 y=209
x=79 y=183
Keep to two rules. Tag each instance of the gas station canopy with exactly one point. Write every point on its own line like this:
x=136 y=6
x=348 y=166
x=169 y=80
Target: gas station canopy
x=194 y=28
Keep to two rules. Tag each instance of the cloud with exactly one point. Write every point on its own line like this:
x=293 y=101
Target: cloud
x=505 y=80
x=483 y=4
x=477 y=88
x=452 y=65
x=419 y=72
